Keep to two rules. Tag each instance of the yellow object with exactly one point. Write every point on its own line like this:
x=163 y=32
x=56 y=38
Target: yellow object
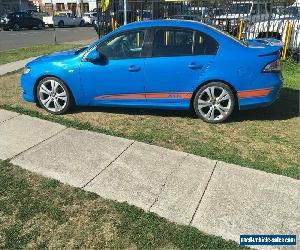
x=113 y=23
x=167 y=38
x=288 y=35
x=240 y=30
x=103 y=4
x=138 y=33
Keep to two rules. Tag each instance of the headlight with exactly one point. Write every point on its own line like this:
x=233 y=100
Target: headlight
x=224 y=23
x=217 y=22
x=26 y=71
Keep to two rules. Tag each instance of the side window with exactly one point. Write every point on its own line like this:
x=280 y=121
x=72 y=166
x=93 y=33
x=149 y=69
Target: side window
x=126 y=45
x=26 y=15
x=205 y=45
x=172 y=42
x=182 y=43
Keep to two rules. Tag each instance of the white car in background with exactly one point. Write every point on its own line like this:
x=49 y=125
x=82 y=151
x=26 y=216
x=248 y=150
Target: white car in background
x=63 y=19
x=90 y=18
x=277 y=26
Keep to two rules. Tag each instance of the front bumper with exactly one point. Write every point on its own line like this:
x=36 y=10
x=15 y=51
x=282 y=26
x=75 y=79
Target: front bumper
x=27 y=84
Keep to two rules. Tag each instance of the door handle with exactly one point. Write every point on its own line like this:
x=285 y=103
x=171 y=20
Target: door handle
x=195 y=66
x=134 y=68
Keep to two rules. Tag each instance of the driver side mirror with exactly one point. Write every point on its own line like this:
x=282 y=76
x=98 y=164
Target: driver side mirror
x=93 y=56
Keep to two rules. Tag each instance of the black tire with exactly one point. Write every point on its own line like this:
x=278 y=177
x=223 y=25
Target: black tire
x=16 y=27
x=40 y=26
x=62 y=87
x=81 y=24
x=6 y=29
x=209 y=108
x=61 y=24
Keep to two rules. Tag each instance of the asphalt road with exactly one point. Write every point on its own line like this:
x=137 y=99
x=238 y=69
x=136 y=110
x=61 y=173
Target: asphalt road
x=27 y=38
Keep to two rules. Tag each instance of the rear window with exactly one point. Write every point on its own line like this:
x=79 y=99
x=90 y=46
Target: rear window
x=226 y=34
x=180 y=42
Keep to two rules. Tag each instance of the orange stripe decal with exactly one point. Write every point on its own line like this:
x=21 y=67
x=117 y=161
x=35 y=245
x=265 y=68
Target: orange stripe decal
x=171 y=95
x=120 y=97
x=254 y=93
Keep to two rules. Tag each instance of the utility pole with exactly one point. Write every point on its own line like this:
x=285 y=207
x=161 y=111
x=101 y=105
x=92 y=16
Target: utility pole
x=98 y=17
x=20 y=3
x=81 y=8
x=55 y=40
x=125 y=12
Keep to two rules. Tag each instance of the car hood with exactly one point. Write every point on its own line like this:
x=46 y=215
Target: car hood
x=55 y=57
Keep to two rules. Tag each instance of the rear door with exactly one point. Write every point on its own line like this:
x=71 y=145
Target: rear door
x=19 y=19
x=29 y=21
x=178 y=62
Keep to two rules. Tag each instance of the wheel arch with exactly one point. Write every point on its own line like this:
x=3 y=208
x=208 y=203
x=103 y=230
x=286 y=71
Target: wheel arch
x=46 y=76
x=215 y=80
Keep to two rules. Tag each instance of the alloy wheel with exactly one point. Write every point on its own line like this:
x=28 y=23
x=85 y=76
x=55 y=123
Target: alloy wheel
x=214 y=102
x=53 y=96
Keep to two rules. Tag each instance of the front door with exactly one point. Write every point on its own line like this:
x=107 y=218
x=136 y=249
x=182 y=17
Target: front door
x=179 y=58
x=119 y=77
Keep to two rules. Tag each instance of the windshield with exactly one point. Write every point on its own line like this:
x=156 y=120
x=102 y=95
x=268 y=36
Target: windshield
x=240 y=8
x=78 y=51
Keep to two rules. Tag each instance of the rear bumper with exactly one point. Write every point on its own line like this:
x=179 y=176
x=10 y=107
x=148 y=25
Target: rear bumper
x=260 y=97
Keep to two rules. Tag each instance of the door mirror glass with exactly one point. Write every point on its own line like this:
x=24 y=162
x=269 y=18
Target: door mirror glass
x=93 y=56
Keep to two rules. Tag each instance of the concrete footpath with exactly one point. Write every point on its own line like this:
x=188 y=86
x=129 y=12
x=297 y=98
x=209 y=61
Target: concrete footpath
x=13 y=66
x=213 y=196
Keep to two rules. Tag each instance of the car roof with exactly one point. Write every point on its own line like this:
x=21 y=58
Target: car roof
x=176 y=23
x=221 y=37
x=164 y=22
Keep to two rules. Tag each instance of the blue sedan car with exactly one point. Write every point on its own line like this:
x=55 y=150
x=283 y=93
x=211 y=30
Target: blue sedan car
x=166 y=64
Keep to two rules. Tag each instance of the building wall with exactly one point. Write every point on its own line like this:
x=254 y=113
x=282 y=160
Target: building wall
x=14 y=5
x=72 y=5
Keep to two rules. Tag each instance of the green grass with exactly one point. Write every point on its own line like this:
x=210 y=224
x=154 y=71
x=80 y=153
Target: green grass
x=37 y=212
x=23 y=53
x=291 y=71
x=265 y=139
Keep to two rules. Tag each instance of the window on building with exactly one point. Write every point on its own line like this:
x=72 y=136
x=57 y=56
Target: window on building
x=48 y=7
x=60 y=6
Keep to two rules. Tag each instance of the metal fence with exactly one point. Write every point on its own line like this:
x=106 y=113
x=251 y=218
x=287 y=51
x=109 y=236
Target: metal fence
x=244 y=19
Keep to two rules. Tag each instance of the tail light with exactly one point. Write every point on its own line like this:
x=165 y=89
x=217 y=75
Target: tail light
x=273 y=67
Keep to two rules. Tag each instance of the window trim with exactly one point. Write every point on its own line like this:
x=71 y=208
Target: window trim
x=153 y=29
x=147 y=50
